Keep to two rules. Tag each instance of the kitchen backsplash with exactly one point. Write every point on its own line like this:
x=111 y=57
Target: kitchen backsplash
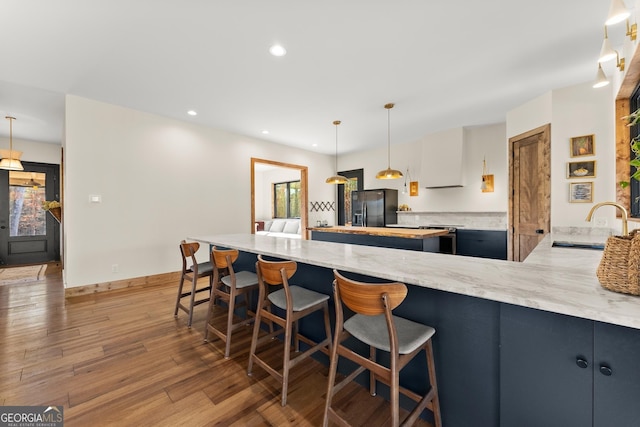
x=471 y=220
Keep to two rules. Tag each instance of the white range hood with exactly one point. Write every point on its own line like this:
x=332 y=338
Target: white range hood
x=443 y=159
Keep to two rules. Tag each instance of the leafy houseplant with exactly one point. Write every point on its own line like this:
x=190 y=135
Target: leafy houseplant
x=634 y=119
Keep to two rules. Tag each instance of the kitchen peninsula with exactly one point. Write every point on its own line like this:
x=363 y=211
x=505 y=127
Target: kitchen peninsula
x=398 y=238
x=531 y=343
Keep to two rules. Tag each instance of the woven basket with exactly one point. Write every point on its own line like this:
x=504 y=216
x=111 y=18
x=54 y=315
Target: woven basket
x=56 y=213
x=619 y=268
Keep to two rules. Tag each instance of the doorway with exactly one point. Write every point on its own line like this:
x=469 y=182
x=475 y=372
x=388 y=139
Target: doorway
x=303 y=170
x=355 y=183
x=530 y=183
x=28 y=234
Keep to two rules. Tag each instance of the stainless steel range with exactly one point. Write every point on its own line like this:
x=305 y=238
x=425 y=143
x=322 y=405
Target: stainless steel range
x=447 y=242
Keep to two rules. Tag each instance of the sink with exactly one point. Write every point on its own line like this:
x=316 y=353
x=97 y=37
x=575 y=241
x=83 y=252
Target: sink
x=575 y=245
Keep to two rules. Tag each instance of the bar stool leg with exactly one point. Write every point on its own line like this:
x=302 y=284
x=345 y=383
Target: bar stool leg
x=435 y=401
x=372 y=376
x=175 y=313
x=192 y=299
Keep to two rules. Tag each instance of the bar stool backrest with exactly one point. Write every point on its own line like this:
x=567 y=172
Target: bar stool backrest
x=275 y=272
x=223 y=258
x=189 y=250
x=365 y=298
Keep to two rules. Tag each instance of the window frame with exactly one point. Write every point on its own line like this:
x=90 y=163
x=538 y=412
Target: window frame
x=287 y=200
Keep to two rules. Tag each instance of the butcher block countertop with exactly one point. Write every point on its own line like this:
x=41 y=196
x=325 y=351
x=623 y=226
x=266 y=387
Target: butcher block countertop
x=407 y=233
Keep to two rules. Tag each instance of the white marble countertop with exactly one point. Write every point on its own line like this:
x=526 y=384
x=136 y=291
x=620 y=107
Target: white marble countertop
x=559 y=280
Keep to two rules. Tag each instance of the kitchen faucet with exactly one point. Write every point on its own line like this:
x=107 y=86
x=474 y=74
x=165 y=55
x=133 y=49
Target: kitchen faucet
x=625 y=229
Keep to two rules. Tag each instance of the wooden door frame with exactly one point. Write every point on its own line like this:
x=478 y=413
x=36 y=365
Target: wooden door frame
x=304 y=173
x=545 y=175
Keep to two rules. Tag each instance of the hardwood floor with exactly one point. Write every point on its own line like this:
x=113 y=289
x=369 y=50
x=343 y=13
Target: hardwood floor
x=121 y=358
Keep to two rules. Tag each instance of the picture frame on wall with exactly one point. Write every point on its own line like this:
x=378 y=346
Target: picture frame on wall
x=584 y=145
x=581 y=192
x=584 y=169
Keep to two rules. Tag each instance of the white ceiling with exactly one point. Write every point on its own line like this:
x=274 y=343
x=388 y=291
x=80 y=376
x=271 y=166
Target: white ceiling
x=444 y=63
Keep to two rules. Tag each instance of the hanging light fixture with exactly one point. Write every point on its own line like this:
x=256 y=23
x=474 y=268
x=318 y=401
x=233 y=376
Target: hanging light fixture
x=336 y=179
x=601 y=78
x=10 y=158
x=487 y=180
x=618 y=12
x=389 y=173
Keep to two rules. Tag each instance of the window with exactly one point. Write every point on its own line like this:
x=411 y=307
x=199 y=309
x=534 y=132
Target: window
x=26 y=194
x=286 y=199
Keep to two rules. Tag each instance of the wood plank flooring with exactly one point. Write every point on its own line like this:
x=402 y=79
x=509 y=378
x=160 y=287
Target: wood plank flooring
x=121 y=358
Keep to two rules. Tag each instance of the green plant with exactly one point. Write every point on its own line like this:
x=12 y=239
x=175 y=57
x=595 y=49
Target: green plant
x=46 y=205
x=634 y=119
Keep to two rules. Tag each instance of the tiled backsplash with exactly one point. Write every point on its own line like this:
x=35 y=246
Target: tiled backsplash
x=472 y=220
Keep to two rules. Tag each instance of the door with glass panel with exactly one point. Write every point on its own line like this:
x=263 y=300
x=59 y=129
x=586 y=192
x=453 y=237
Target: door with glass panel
x=28 y=233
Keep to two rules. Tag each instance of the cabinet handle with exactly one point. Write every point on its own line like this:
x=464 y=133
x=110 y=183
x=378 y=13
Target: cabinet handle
x=539 y=231
x=605 y=370
x=581 y=362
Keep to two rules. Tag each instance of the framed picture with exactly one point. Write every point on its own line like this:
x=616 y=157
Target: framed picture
x=581 y=192
x=583 y=146
x=413 y=188
x=581 y=169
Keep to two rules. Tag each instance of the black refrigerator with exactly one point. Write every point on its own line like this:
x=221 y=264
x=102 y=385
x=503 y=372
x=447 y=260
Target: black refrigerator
x=374 y=208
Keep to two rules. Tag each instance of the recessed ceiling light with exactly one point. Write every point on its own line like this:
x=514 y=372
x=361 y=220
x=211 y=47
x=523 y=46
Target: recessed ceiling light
x=314 y=145
x=192 y=113
x=265 y=132
x=277 y=50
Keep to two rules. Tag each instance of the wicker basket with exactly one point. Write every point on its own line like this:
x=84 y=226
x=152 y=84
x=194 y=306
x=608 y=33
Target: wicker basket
x=619 y=268
x=56 y=213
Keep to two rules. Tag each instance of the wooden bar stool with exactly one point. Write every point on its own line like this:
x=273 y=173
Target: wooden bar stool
x=374 y=324
x=297 y=302
x=192 y=271
x=228 y=285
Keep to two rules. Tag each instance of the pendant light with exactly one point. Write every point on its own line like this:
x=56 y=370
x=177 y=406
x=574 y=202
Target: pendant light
x=336 y=179
x=10 y=158
x=389 y=173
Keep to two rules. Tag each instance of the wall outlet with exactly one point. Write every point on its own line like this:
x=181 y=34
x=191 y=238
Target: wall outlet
x=600 y=222
x=114 y=268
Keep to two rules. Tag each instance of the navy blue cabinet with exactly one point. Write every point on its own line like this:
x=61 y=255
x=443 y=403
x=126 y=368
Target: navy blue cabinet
x=482 y=243
x=558 y=370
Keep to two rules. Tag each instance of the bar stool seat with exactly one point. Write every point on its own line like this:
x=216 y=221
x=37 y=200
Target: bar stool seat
x=228 y=285
x=373 y=323
x=373 y=331
x=297 y=302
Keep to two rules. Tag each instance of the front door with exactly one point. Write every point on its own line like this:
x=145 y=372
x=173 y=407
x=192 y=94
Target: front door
x=28 y=234
x=530 y=204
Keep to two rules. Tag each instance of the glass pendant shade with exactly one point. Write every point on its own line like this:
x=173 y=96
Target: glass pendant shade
x=11 y=158
x=336 y=179
x=389 y=173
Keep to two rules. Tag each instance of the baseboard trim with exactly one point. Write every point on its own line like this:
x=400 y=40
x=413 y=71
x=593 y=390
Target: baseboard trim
x=121 y=285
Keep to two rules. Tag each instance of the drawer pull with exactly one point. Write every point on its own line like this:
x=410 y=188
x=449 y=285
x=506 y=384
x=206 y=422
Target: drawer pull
x=605 y=370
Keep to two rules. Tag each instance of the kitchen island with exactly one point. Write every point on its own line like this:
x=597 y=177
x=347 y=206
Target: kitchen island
x=384 y=237
x=534 y=343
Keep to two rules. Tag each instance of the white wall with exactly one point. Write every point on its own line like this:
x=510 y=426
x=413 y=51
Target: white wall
x=33 y=151
x=161 y=181
x=574 y=111
x=489 y=141
x=582 y=110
